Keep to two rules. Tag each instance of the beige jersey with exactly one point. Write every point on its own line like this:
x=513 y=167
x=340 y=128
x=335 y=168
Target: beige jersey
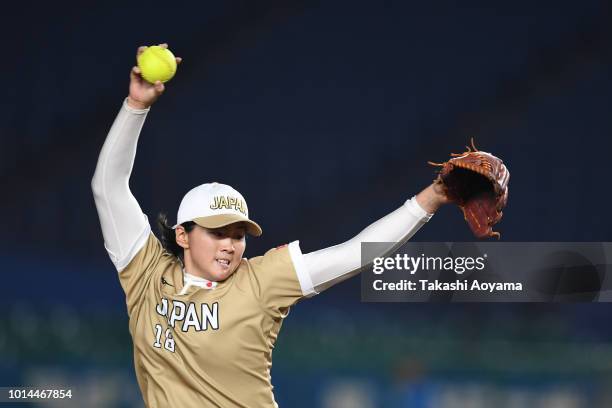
x=207 y=347
x=211 y=347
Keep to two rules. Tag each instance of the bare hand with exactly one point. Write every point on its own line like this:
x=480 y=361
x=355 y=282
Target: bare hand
x=432 y=197
x=143 y=94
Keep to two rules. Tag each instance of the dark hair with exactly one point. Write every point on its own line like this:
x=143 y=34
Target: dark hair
x=168 y=236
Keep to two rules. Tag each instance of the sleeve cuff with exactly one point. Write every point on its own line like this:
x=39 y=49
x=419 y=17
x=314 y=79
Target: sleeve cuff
x=134 y=110
x=300 y=269
x=413 y=206
x=121 y=264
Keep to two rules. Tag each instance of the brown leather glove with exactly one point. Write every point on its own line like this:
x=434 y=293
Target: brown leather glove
x=478 y=183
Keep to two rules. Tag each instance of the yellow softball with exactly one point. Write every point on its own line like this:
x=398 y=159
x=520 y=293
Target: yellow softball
x=157 y=64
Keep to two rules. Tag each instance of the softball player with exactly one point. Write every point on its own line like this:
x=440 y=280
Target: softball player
x=203 y=319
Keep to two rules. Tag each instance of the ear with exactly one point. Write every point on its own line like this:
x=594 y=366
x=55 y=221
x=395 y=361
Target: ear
x=182 y=237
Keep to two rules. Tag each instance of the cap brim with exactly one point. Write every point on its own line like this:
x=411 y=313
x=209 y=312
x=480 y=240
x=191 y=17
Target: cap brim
x=221 y=220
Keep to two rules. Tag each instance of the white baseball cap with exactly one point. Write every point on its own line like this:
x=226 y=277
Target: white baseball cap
x=214 y=205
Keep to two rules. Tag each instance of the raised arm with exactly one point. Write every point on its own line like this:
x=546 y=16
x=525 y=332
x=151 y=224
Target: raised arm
x=329 y=266
x=124 y=226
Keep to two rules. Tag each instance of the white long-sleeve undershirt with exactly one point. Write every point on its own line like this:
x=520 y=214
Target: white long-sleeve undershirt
x=334 y=264
x=126 y=228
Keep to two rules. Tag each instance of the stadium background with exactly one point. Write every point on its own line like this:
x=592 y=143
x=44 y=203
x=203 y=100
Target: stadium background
x=323 y=114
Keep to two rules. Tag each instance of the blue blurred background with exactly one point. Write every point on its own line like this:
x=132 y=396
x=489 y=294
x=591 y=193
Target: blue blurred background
x=323 y=114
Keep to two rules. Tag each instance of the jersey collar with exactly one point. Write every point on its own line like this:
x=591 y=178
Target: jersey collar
x=192 y=280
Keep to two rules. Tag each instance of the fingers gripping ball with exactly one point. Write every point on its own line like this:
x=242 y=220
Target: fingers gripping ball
x=157 y=64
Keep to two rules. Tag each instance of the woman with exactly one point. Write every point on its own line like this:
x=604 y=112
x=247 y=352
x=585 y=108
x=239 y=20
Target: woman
x=204 y=320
